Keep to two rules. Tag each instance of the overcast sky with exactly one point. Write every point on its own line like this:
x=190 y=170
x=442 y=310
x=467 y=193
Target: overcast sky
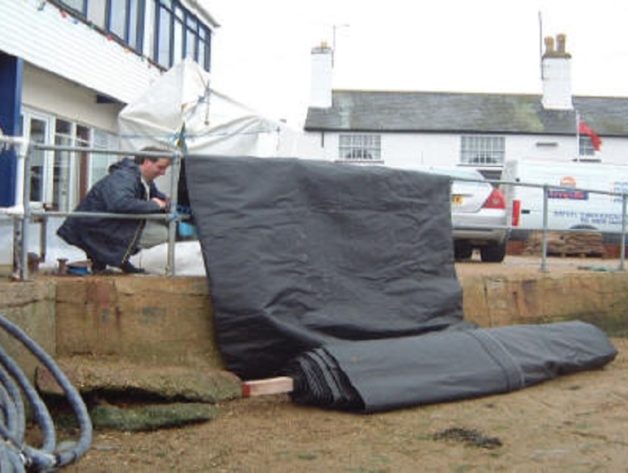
x=261 y=52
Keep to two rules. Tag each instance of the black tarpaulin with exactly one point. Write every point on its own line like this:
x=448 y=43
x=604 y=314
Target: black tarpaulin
x=303 y=253
x=346 y=274
x=445 y=366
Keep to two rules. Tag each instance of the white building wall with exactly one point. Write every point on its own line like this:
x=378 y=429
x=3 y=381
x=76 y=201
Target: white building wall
x=549 y=148
x=614 y=151
x=52 y=40
x=69 y=101
x=563 y=148
x=405 y=150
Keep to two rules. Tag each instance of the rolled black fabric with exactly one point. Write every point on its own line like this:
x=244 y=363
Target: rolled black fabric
x=304 y=253
x=388 y=374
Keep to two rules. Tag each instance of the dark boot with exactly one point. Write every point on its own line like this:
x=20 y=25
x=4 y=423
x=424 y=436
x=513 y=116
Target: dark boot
x=128 y=268
x=97 y=266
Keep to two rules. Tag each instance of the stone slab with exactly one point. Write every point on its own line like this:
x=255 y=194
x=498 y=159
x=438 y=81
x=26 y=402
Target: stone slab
x=122 y=378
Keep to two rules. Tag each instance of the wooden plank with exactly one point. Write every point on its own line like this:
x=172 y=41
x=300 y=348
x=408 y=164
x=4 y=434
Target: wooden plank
x=263 y=387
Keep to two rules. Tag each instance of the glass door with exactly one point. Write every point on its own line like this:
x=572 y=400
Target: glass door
x=38 y=130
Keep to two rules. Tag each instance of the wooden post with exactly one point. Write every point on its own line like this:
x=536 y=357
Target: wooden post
x=263 y=387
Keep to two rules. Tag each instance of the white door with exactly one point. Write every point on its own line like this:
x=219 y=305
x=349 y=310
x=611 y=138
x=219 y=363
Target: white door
x=37 y=130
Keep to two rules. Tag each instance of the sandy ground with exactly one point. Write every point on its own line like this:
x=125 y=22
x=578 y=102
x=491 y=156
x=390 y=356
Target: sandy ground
x=533 y=264
x=575 y=423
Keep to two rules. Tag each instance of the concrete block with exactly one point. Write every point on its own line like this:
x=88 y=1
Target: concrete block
x=143 y=318
x=31 y=306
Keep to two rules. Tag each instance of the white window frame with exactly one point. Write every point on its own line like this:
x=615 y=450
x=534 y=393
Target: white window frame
x=482 y=150
x=360 y=147
x=48 y=161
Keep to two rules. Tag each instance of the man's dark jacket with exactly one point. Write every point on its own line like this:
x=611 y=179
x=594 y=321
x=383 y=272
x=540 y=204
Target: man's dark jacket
x=112 y=240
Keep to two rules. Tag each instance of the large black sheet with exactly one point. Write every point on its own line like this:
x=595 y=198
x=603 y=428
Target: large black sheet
x=343 y=277
x=303 y=253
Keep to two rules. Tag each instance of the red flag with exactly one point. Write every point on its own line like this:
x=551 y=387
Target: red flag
x=585 y=129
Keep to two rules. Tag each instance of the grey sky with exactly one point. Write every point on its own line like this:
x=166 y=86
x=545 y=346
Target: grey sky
x=262 y=49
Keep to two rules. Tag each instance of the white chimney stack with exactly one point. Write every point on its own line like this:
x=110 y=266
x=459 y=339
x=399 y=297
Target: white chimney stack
x=556 y=64
x=322 y=64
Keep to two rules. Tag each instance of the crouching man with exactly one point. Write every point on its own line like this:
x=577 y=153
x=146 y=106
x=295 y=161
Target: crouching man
x=129 y=188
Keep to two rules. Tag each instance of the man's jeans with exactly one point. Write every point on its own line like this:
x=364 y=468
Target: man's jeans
x=155 y=233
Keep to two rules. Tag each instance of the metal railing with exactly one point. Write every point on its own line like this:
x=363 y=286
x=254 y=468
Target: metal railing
x=545 y=228
x=25 y=214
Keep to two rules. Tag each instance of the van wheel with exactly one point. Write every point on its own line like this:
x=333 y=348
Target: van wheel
x=493 y=253
x=462 y=250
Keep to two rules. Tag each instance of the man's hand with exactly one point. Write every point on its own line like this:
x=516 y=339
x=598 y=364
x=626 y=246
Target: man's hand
x=162 y=203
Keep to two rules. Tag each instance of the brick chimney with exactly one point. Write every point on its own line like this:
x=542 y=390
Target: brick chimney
x=320 y=94
x=556 y=64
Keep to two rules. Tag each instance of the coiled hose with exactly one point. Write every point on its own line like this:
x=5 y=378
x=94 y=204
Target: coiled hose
x=15 y=455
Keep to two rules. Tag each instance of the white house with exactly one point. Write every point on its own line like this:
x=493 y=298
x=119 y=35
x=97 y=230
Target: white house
x=403 y=129
x=67 y=67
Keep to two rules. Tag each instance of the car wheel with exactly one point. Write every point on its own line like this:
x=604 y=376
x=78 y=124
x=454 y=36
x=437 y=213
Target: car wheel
x=462 y=250
x=493 y=253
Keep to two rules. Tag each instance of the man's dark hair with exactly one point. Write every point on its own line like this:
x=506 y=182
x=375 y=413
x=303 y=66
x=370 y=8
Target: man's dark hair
x=139 y=159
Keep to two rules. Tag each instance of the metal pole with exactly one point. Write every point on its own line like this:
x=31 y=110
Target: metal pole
x=43 y=237
x=88 y=151
x=172 y=222
x=26 y=214
x=545 y=223
x=577 y=136
x=622 y=250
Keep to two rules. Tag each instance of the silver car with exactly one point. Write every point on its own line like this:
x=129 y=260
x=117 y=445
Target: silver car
x=478 y=213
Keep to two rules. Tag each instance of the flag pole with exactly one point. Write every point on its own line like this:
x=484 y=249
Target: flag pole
x=577 y=136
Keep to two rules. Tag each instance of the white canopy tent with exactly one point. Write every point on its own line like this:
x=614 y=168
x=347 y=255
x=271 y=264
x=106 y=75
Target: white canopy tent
x=182 y=105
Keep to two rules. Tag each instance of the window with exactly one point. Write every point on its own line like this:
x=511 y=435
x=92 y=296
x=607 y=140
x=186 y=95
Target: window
x=79 y=6
x=61 y=170
x=359 y=148
x=586 y=146
x=125 y=20
x=59 y=178
x=122 y=18
x=180 y=34
x=96 y=13
x=163 y=39
x=191 y=40
x=482 y=150
x=36 y=130
x=69 y=169
x=99 y=163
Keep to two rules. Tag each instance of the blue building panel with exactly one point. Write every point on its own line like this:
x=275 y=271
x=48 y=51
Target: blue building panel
x=11 y=69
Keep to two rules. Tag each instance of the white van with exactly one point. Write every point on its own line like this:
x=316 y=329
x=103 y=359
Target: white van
x=570 y=204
